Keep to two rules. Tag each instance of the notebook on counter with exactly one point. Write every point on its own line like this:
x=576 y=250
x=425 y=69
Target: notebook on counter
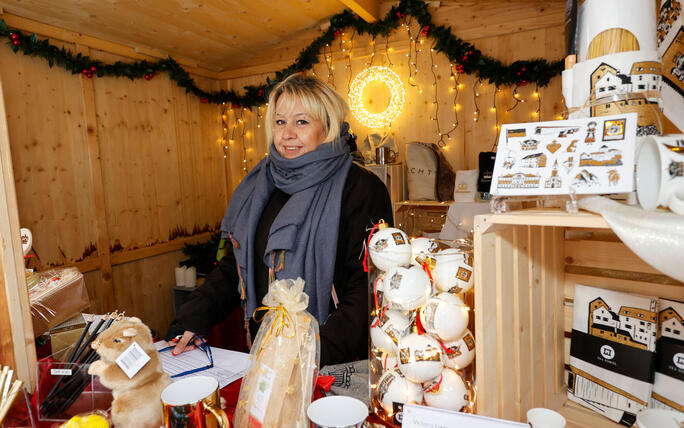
x=612 y=352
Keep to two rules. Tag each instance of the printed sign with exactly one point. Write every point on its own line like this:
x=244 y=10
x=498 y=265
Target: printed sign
x=590 y=156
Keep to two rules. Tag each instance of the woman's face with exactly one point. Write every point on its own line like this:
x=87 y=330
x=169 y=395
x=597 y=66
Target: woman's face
x=295 y=132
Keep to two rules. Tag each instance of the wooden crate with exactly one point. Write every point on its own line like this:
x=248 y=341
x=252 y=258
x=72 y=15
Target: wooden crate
x=526 y=266
x=417 y=217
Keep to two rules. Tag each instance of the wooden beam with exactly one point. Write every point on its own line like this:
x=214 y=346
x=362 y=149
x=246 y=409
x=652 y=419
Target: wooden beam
x=368 y=10
x=132 y=52
x=105 y=298
x=14 y=301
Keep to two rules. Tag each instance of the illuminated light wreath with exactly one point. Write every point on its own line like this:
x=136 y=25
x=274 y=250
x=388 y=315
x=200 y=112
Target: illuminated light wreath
x=396 y=87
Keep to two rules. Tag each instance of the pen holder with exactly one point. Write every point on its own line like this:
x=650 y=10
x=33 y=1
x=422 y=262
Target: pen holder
x=74 y=391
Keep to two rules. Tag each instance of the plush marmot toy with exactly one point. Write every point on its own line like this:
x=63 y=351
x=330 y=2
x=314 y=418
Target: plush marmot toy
x=136 y=400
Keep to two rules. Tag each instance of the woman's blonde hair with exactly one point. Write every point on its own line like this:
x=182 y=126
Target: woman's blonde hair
x=318 y=99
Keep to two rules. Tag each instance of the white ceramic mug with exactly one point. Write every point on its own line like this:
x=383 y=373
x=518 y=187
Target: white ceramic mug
x=337 y=411
x=193 y=402
x=660 y=173
x=659 y=418
x=540 y=417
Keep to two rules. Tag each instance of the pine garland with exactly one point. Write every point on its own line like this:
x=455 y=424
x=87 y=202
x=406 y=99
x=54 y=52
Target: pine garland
x=465 y=57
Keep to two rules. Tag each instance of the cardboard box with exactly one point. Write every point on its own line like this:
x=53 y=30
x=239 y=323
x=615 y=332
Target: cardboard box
x=58 y=301
x=65 y=335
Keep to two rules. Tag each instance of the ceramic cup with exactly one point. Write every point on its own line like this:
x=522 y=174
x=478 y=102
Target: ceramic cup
x=659 y=418
x=660 y=173
x=337 y=411
x=193 y=402
x=545 y=418
x=384 y=155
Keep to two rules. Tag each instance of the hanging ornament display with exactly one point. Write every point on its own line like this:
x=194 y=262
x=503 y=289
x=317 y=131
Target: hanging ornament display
x=419 y=335
x=397 y=96
x=445 y=316
x=389 y=247
x=448 y=391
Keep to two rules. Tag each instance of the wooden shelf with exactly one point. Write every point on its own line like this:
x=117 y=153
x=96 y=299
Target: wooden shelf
x=543 y=217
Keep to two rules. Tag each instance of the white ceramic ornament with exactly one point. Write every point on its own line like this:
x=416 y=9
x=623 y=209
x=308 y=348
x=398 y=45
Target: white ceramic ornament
x=452 y=271
x=448 y=391
x=393 y=326
x=420 y=357
x=445 y=316
x=461 y=352
x=389 y=247
x=393 y=387
x=422 y=248
x=406 y=288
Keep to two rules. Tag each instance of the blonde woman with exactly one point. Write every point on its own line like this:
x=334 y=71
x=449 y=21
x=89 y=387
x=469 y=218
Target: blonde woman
x=303 y=211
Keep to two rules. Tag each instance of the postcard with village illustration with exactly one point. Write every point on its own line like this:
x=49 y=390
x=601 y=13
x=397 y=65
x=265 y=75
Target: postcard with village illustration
x=612 y=352
x=592 y=155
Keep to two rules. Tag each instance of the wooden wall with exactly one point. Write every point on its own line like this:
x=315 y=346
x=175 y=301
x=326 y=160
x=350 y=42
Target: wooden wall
x=506 y=30
x=113 y=175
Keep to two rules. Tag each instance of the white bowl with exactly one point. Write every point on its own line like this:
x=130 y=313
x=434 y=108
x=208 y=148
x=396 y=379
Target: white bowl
x=337 y=411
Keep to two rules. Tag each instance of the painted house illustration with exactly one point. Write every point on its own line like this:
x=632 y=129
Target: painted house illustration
x=630 y=326
x=518 y=181
x=604 y=157
x=669 y=12
x=529 y=144
x=671 y=324
x=645 y=78
x=554 y=181
x=537 y=160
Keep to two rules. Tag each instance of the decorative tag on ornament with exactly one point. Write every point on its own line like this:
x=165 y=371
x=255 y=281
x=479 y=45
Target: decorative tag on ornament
x=132 y=360
x=452 y=271
x=422 y=251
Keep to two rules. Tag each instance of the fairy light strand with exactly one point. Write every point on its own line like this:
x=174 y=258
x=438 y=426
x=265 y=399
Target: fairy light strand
x=328 y=62
x=476 y=108
x=224 y=129
x=387 y=51
x=349 y=62
x=372 y=55
x=496 y=120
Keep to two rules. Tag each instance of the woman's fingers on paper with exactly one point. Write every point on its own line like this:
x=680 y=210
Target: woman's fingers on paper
x=182 y=344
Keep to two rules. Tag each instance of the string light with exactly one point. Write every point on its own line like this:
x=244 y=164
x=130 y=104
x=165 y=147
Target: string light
x=412 y=68
x=537 y=95
x=224 y=129
x=348 y=58
x=328 y=63
x=372 y=55
x=476 y=111
x=397 y=95
x=244 y=143
x=387 y=51
x=496 y=121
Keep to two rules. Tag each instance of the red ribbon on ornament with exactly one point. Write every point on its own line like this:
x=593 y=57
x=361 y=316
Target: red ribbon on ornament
x=365 y=255
x=436 y=387
x=447 y=350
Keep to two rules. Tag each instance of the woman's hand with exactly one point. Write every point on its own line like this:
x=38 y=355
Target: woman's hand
x=185 y=343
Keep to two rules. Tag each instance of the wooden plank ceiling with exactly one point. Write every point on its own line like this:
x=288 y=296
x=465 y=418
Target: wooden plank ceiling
x=215 y=35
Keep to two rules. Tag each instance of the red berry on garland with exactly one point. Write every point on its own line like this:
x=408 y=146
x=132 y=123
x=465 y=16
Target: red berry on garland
x=85 y=71
x=426 y=30
x=149 y=76
x=261 y=92
x=236 y=106
x=400 y=15
x=204 y=99
x=14 y=36
x=337 y=33
x=523 y=69
x=16 y=42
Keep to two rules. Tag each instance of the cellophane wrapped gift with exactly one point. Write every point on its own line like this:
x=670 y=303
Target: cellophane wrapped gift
x=278 y=386
x=421 y=347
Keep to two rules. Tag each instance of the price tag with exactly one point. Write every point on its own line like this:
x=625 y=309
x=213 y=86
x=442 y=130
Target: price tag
x=132 y=360
x=264 y=387
x=60 y=372
x=429 y=417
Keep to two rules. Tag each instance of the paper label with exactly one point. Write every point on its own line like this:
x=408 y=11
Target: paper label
x=132 y=360
x=264 y=386
x=60 y=372
x=415 y=416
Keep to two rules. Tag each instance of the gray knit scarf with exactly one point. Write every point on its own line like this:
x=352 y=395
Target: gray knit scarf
x=305 y=229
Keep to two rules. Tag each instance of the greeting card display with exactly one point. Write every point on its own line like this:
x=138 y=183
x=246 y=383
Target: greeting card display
x=587 y=156
x=612 y=352
x=421 y=348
